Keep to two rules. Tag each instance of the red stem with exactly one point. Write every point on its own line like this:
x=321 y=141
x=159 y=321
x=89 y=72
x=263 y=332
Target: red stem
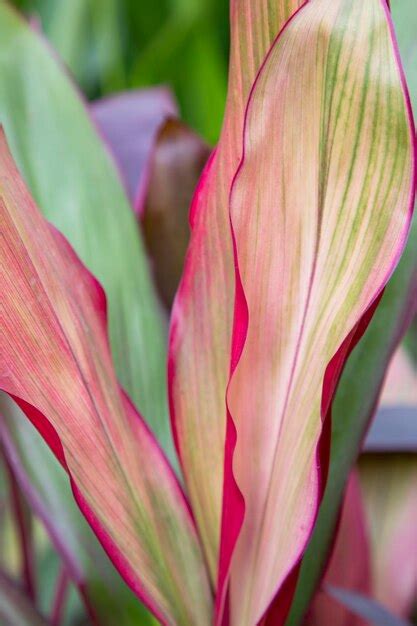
x=60 y=596
x=91 y=612
x=24 y=532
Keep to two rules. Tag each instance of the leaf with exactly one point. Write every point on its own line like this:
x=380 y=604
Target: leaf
x=321 y=207
x=178 y=159
x=45 y=486
x=349 y=565
x=389 y=485
x=201 y=320
x=76 y=186
x=353 y=408
x=88 y=37
x=15 y=608
x=66 y=26
x=160 y=160
x=357 y=397
x=365 y=607
x=55 y=362
x=130 y=122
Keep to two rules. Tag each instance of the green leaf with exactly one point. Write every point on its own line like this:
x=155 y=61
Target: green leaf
x=74 y=182
x=108 y=44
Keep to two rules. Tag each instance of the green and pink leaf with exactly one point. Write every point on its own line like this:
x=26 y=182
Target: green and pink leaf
x=55 y=362
x=321 y=214
x=202 y=317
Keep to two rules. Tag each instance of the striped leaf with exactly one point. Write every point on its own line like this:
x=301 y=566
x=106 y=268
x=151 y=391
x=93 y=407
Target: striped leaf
x=321 y=208
x=55 y=361
x=201 y=323
x=361 y=382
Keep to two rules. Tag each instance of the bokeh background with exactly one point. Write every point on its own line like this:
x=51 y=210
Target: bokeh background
x=110 y=45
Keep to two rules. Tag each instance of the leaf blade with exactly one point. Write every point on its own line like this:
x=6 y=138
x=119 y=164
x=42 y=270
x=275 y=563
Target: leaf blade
x=362 y=380
x=269 y=444
x=55 y=362
x=45 y=486
x=201 y=321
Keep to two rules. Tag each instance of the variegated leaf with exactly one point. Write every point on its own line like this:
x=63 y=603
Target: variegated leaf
x=55 y=361
x=320 y=207
x=201 y=323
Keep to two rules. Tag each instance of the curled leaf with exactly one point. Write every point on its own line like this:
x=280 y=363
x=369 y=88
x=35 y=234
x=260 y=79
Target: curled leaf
x=178 y=158
x=130 y=122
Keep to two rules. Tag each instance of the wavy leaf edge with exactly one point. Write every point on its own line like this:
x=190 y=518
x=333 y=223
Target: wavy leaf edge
x=233 y=499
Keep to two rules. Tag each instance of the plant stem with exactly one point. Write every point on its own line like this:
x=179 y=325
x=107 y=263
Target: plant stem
x=22 y=518
x=60 y=596
x=91 y=612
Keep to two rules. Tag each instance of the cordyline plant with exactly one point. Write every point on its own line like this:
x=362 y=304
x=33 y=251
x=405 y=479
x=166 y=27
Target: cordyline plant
x=298 y=221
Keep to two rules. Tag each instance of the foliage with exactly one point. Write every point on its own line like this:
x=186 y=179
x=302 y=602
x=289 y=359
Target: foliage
x=215 y=486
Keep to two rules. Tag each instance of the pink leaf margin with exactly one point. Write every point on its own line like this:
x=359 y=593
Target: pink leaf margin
x=233 y=500
x=49 y=434
x=176 y=316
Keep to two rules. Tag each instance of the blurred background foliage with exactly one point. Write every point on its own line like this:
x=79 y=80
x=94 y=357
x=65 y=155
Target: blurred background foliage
x=110 y=45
